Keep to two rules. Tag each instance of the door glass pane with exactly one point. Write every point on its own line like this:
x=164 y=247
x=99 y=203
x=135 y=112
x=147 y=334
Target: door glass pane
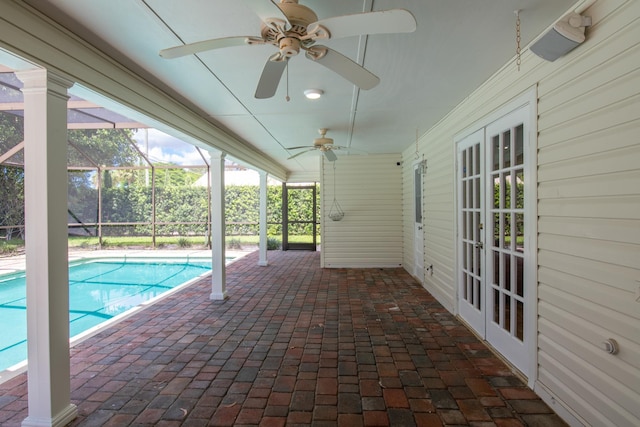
x=465 y=278
x=506 y=149
x=495 y=149
x=520 y=189
x=505 y=263
x=496 y=267
x=464 y=226
x=496 y=306
x=496 y=229
x=519 y=276
x=518 y=145
x=496 y=191
x=418 y=195
x=477 y=293
x=476 y=158
x=465 y=164
x=520 y=320
x=504 y=203
x=519 y=230
x=506 y=307
x=507 y=231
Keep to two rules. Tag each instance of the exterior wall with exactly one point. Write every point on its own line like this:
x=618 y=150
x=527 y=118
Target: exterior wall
x=588 y=210
x=369 y=190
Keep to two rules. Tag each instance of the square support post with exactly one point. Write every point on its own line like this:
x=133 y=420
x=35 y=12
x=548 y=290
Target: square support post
x=218 y=268
x=45 y=152
x=262 y=261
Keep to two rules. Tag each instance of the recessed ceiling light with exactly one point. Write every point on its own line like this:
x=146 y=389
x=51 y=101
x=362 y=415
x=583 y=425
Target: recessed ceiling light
x=313 y=93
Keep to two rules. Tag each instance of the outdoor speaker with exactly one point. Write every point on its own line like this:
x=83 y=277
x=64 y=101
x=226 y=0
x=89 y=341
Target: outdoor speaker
x=562 y=38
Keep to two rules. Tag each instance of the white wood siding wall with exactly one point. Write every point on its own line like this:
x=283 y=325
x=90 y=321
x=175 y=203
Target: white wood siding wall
x=588 y=208
x=369 y=190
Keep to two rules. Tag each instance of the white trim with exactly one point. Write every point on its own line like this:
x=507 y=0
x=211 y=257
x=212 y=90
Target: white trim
x=526 y=99
x=417 y=163
x=557 y=405
x=531 y=221
x=469 y=314
x=63 y=418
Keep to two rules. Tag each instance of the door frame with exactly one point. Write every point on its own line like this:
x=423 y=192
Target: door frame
x=527 y=98
x=473 y=317
x=418 y=166
x=286 y=245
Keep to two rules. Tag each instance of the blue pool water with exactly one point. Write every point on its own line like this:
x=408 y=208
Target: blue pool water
x=98 y=291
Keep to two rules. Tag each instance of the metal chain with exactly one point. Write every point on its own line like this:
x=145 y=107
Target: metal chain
x=518 y=59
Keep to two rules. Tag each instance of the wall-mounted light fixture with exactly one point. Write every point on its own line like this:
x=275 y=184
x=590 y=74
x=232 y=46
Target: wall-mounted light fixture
x=313 y=93
x=562 y=38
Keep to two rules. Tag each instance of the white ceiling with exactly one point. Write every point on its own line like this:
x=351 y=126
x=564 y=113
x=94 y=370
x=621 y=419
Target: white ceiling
x=458 y=44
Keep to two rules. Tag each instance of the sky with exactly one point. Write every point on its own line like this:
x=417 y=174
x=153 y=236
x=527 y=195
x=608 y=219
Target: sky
x=167 y=149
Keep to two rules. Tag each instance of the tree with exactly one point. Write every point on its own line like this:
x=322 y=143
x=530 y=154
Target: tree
x=11 y=177
x=105 y=147
x=12 y=200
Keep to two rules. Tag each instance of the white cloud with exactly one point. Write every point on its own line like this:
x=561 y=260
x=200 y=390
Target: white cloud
x=165 y=148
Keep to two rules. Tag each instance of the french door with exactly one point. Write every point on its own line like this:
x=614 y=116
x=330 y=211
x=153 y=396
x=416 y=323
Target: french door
x=494 y=259
x=418 y=226
x=471 y=218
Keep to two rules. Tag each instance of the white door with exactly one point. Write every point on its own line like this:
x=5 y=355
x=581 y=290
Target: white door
x=471 y=305
x=507 y=287
x=418 y=223
x=494 y=276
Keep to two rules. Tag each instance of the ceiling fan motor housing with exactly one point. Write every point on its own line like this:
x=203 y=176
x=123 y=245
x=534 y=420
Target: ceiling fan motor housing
x=289 y=41
x=319 y=142
x=298 y=14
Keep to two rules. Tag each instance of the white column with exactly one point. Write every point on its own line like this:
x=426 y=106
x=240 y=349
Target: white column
x=45 y=153
x=263 y=220
x=218 y=276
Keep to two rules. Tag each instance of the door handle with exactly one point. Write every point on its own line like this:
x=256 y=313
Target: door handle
x=419 y=227
x=479 y=245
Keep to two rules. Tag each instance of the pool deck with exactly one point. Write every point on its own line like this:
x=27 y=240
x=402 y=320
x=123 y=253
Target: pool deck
x=14 y=263
x=294 y=345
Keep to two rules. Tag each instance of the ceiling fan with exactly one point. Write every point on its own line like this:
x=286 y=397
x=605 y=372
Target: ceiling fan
x=290 y=27
x=323 y=144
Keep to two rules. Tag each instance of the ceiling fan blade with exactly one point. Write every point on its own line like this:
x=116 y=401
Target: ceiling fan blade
x=330 y=155
x=380 y=22
x=269 y=12
x=349 y=149
x=297 y=148
x=270 y=78
x=191 y=48
x=300 y=153
x=344 y=66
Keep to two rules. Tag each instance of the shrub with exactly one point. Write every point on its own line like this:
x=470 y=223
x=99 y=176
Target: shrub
x=273 y=243
x=234 y=244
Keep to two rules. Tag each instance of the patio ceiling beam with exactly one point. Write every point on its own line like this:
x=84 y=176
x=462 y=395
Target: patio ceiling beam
x=71 y=104
x=106 y=125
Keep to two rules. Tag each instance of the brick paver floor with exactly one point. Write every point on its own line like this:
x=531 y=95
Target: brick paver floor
x=293 y=344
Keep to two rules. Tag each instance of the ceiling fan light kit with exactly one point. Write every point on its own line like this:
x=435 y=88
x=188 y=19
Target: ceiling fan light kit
x=313 y=93
x=290 y=27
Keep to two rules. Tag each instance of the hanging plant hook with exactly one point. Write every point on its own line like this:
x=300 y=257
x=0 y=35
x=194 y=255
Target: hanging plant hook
x=335 y=213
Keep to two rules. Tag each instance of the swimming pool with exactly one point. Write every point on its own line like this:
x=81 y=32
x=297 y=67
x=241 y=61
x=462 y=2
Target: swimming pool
x=99 y=290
